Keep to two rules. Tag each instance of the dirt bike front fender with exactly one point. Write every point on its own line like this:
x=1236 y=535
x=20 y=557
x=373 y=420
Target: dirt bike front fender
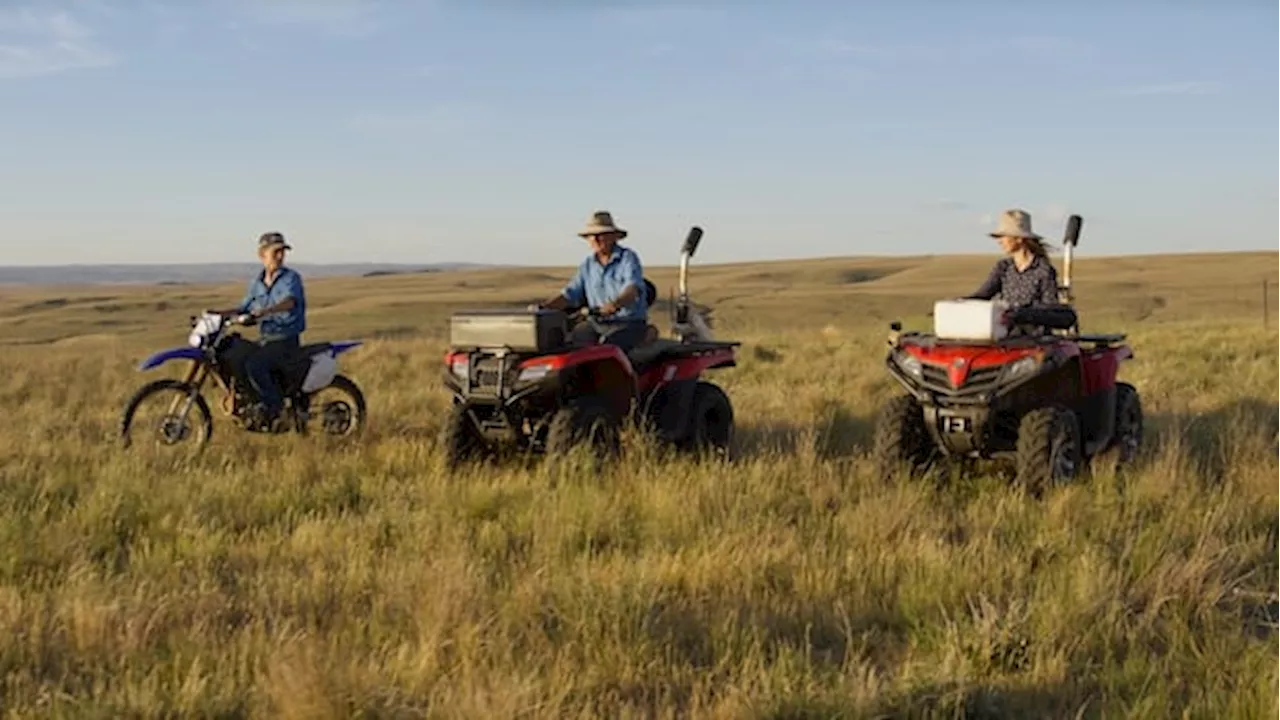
x=164 y=356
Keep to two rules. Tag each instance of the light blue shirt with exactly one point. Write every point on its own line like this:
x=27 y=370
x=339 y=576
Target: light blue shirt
x=598 y=284
x=281 y=325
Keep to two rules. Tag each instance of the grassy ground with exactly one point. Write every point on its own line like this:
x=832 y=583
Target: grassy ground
x=294 y=579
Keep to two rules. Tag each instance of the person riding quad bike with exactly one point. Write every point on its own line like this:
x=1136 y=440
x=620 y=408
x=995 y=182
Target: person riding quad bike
x=529 y=380
x=1006 y=375
x=610 y=282
x=1025 y=280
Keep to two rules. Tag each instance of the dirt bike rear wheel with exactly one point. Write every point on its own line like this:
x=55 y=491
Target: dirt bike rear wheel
x=344 y=416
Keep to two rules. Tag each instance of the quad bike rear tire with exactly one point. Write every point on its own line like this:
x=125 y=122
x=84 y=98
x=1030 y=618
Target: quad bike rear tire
x=587 y=419
x=711 y=427
x=901 y=438
x=1129 y=426
x=459 y=440
x=1049 y=448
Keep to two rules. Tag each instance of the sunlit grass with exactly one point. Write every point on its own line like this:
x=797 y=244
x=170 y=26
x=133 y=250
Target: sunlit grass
x=293 y=578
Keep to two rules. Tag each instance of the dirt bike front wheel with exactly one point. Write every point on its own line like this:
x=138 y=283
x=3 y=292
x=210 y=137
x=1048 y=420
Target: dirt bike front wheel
x=183 y=418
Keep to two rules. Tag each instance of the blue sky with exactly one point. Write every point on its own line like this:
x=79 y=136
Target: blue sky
x=487 y=131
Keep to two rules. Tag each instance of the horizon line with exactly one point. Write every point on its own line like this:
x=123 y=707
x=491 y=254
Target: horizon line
x=1077 y=255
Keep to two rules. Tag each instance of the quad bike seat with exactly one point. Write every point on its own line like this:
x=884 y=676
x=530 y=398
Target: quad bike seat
x=664 y=348
x=649 y=353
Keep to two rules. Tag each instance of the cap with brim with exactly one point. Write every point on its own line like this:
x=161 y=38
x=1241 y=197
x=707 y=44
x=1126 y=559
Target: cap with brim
x=273 y=239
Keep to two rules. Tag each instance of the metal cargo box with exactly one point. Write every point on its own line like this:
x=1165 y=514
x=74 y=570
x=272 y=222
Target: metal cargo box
x=522 y=331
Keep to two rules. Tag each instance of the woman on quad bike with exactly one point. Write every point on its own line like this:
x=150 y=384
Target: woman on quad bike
x=611 y=282
x=1026 y=280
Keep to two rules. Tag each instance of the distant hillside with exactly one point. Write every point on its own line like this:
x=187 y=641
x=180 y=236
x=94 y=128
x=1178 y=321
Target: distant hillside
x=196 y=273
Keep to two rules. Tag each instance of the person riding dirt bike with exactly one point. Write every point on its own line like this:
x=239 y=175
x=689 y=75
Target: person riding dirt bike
x=276 y=298
x=1026 y=280
x=609 y=281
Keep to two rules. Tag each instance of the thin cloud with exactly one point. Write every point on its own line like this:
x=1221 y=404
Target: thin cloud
x=827 y=46
x=949 y=205
x=342 y=17
x=1172 y=89
x=43 y=40
x=441 y=118
x=1054 y=45
x=653 y=14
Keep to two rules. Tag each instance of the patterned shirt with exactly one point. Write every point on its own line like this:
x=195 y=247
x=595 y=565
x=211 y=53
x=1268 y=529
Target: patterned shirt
x=1036 y=285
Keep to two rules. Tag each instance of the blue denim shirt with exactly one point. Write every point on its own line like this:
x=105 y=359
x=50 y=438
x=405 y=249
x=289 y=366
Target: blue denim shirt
x=280 y=325
x=598 y=284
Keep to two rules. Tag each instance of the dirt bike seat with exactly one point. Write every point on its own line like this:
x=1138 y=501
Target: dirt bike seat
x=308 y=351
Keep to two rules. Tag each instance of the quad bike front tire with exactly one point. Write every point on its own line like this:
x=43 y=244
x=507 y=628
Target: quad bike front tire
x=459 y=440
x=587 y=419
x=901 y=438
x=1049 y=449
x=711 y=426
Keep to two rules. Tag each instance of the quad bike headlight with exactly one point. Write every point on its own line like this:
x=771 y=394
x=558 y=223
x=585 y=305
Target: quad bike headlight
x=909 y=363
x=533 y=373
x=1022 y=367
x=459 y=366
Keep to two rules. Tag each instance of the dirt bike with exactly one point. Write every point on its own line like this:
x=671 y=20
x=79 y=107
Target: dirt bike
x=216 y=352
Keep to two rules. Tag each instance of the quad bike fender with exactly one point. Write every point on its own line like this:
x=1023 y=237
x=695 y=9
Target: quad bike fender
x=180 y=353
x=606 y=373
x=692 y=368
x=668 y=408
x=1100 y=368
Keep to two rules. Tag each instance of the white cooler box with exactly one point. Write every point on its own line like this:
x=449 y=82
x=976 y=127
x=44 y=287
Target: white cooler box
x=977 y=320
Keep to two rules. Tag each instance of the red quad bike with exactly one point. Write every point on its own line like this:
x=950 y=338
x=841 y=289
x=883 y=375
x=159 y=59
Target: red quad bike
x=518 y=383
x=1048 y=402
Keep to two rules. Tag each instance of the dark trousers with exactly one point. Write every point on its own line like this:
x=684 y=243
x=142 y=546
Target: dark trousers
x=270 y=355
x=626 y=335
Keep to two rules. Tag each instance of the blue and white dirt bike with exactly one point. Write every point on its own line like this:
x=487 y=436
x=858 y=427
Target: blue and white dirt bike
x=215 y=352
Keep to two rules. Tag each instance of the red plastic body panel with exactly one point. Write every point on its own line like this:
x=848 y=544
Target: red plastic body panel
x=655 y=375
x=1099 y=366
x=684 y=368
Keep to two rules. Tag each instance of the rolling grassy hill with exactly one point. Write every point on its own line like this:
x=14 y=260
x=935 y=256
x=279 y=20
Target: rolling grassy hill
x=299 y=578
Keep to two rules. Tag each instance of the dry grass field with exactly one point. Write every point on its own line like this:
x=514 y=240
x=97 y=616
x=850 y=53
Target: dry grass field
x=292 y=578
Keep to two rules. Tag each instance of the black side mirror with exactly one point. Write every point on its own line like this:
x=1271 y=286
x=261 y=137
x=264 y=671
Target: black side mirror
x=1072 y=235
x=692 y=240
